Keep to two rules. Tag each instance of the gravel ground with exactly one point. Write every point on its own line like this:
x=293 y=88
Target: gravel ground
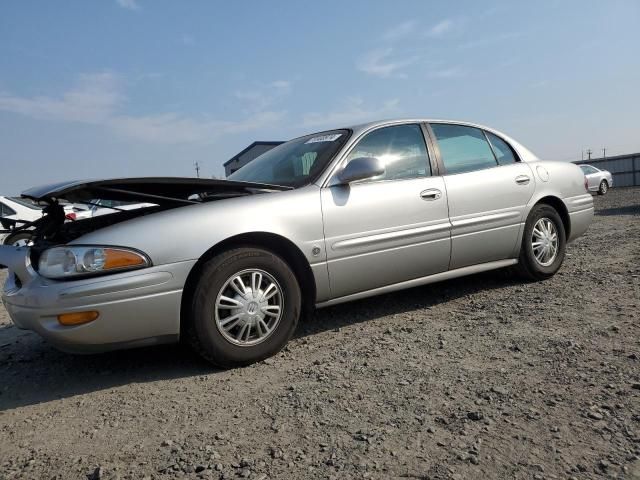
x=481 y=377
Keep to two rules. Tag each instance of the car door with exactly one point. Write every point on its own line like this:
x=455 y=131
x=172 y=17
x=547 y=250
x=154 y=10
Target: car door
x=390 y=228
x=488 y=189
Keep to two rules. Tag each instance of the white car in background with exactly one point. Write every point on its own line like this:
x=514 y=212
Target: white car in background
x=16 y=208
x=98 y=208
x=13 y=208
x=597 y=180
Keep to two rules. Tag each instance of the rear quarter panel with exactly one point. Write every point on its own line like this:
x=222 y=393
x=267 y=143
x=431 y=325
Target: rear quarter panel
x=565 y=181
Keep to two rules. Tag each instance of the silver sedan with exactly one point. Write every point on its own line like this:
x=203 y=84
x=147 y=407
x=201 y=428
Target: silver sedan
x=230 y=266
x=597 y=180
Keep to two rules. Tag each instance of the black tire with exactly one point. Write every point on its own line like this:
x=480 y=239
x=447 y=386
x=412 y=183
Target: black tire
x=528 y=266
x=15 y=238
x=603 y=188
x=202 y=331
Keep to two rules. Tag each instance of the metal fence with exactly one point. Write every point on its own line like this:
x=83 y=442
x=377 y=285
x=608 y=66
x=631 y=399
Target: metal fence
x=624 y=168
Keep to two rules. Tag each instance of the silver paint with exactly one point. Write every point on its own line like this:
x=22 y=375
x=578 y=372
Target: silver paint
x=358 y=239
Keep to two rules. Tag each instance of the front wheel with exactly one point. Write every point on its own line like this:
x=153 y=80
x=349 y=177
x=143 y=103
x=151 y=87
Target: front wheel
x=20 y=239
x=603 y=188
x=543 y=244
x=245 y=307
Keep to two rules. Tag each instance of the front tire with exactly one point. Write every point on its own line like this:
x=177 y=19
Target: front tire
x=543 y=244
x=245 y=307
x=603 y=188
x=20 y=239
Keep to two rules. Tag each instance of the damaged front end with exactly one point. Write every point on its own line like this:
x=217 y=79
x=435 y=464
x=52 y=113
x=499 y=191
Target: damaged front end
x=152 y=194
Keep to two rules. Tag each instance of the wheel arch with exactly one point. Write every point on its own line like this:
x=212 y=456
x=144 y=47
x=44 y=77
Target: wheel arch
x=561 y=208
x=275 y=243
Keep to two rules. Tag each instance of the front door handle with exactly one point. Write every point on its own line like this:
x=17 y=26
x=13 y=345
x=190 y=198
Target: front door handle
x=431 y=194
x=522 y=180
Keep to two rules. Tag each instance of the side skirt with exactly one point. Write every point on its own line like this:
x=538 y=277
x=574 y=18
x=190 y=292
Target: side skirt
x=438 y=277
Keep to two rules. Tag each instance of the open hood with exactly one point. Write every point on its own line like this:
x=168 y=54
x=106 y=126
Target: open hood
x=159 y=190
x=147 y=195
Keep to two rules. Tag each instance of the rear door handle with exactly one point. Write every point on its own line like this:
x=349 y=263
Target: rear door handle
x=522 y=179
x=431 y=194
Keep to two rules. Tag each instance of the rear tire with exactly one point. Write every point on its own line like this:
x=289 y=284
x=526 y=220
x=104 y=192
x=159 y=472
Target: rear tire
x=231 y=326
x=543 y=244
x=603 y=188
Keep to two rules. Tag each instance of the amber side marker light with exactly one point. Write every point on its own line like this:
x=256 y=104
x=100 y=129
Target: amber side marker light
x=121 y=259
x=77 y=318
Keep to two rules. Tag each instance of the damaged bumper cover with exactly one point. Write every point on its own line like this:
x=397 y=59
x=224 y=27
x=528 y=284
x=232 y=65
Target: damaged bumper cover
x=135 y=308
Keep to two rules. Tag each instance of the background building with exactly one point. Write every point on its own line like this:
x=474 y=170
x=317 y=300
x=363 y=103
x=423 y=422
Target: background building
x=245 y=156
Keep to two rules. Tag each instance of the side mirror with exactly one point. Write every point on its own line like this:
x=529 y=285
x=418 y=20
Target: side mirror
x=360 y=169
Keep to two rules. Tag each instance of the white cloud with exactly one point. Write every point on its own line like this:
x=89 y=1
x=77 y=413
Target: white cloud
x=93 y=99
x=129 y=4
x=255 y=100
x=380 y=63
x=401 y=30
x=98 y=98
x=440 y=28
x=173 y=128
x=264 y=95
x=488 y=41
x=452 y=72
x=353 y=111
x=282 y=84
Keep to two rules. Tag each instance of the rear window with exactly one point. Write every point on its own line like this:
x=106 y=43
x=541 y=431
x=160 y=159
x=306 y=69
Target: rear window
x=504 y=153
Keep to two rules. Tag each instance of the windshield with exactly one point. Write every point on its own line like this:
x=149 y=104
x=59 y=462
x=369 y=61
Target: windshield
x=294 y=163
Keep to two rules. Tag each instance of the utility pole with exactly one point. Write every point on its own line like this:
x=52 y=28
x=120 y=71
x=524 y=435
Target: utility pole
x=583 y=154
x=589 y=153
x=604 y=152
x=197 y=165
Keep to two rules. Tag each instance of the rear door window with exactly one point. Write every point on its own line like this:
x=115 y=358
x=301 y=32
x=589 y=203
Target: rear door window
x=462 y=148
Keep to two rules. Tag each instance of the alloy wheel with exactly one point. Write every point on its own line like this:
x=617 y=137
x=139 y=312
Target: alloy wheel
x=544 y=241
x=249 y=307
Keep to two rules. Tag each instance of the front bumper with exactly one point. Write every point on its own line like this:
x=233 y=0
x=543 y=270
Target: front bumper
x=136 y=308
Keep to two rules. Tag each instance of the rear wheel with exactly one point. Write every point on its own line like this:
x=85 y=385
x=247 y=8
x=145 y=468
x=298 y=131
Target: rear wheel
x=543 y=244
x=245 y=307
x=603 y=188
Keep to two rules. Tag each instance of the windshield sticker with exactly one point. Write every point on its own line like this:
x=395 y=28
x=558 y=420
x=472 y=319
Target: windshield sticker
x=324 y=138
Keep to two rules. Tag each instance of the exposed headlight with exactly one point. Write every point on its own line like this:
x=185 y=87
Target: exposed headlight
x=73 y=261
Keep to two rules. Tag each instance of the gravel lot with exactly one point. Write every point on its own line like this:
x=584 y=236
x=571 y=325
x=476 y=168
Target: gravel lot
x=481 y=377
